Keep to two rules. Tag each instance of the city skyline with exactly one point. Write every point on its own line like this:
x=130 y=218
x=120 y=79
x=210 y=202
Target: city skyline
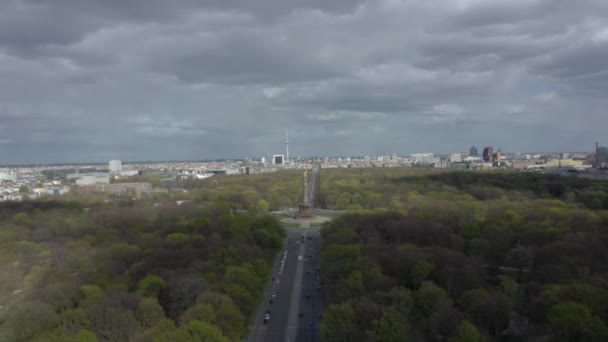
x=292 y=158
x=156 y=80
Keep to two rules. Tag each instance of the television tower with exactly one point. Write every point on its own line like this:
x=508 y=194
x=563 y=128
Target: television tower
x=287 y=144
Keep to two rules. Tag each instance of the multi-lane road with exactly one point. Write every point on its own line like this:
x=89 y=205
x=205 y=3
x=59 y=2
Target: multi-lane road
x=296 y=307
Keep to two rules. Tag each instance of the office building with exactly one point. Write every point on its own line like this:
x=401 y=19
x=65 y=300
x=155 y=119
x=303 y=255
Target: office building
x=473 y=152
x=422 y=157
x=92 y=178
x=278 y=159
x=488 y=154
x=458 y=157
x=601 y=155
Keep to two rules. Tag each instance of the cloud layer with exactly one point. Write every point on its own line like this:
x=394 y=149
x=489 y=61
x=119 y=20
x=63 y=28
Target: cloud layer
x=86 y=80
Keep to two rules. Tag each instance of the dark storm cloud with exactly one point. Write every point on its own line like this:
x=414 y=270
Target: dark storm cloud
x=153 y=79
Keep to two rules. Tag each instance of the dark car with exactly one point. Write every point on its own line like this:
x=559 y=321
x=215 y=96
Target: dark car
x=267 y=316
x=307 y=294
x=301 y=314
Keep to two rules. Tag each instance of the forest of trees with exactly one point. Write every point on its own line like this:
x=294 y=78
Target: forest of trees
x=422 y=255
x=131 y=271
x=275 y=191
x=459 y=256
x=395 y=188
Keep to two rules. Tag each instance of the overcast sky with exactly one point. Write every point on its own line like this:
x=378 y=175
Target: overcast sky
x=93 y=80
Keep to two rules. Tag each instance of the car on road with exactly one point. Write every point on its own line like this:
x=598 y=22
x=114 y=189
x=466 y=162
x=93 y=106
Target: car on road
x=307 y=294
x=301 y=314
x=267 y=316
x=274 y=295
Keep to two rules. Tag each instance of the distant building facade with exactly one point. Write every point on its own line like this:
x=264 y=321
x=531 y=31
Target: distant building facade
x=278 y=159
x=8 y=176
x=488 y=154
x=473 y=152
x=422 y=157
x=115 y=165
x=458 y=157
x=602 y=156
x=92 y=178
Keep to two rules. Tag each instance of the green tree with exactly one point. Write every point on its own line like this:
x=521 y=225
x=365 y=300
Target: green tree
x=61 y=335
x=85 y=336
x=241 y=296
x=158 y=332
x=228 y=316
x=594 y=297
x=73 y=320
x=27 y=320
x=149 y=312
x=401 y=299
x=339 y=323
x=22 y=219
x=395 y=204
x=244 y=276
x=421 y=272
x=91 y=293
x=343 y=201
x=204 y=331
x=468 y=298
x=111 y=324
x=466 y=332
x=263 y=206
x=427 y=297
x=230 y=320
x=392 y=327
x=572 y=321
x=151 y=285
x=177 y=239
x=354 y=284
x=199 y=312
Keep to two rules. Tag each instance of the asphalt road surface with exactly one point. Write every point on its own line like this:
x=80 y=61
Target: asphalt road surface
x=310 y=306
x=294 y=315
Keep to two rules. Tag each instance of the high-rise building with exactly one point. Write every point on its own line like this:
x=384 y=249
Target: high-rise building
x=278 y=159
x=601 y=156
x=115 y=166
x=473 y=152
x=497 y=157
x=488 y=154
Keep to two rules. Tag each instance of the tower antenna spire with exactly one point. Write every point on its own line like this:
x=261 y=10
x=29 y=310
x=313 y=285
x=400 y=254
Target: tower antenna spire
x=287 y=144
